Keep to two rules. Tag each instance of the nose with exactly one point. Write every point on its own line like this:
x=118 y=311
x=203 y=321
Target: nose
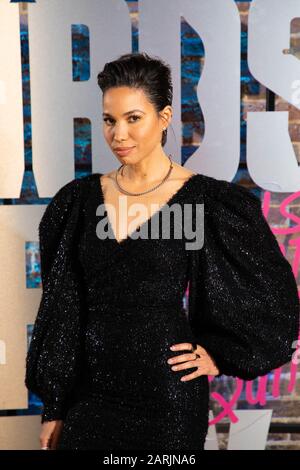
x=120 y=132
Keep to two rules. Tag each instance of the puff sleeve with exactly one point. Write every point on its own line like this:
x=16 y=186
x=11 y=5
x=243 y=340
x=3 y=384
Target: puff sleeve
x=247 y=301
x=54 y=354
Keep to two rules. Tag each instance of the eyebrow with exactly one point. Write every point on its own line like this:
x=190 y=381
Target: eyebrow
x=125 y=114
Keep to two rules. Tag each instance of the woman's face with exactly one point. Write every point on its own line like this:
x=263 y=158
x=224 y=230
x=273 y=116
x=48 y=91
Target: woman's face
x=130 y=120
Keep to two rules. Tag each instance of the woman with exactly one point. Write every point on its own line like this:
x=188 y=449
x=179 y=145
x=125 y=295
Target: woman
x=100 y=356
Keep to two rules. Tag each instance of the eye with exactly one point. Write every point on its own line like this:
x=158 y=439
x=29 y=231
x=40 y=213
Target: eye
x=107 y=119
x=133 y=116
x=136 y=117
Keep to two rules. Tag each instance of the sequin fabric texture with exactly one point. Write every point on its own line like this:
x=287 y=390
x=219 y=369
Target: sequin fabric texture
x=109 y=313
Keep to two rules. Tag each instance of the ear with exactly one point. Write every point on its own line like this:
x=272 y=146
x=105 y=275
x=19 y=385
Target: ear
x=166 y=116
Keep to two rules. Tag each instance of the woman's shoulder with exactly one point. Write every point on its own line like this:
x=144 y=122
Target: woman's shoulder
x=223 y=191
x=67 y=197
x=73 y=188
x=80 y=181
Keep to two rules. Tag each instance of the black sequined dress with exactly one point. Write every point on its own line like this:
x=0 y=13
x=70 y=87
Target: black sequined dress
x=110 y=311
x=134 y=291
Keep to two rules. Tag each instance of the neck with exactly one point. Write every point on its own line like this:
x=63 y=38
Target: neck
x=150 y=169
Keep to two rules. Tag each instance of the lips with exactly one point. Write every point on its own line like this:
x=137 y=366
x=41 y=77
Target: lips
x=123 y=148
x=124 y=151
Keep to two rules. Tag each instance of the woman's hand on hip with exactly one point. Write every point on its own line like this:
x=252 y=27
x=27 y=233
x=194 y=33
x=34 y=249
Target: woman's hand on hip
x=198 y=358
x=50 y=434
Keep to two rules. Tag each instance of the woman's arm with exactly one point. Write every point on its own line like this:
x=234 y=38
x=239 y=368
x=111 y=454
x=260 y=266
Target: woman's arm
x=54 y=357
x=247 y=304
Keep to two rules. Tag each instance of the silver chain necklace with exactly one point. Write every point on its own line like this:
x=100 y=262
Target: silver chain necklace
x=149 y=190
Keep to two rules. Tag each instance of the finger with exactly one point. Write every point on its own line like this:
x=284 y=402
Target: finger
x=186 y=365
x=56 y=438
x=181 y=346
x=45 y=443
x=45 y=438
x=193 y=375
x=54 y=442
x=182 y=358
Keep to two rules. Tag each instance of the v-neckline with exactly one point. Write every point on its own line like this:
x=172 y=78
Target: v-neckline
x=120 y=243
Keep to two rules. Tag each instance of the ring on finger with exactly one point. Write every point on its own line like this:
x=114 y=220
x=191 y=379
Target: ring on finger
x=194 y=347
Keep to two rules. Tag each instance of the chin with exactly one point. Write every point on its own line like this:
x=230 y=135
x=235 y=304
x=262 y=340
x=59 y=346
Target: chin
x=127 y=159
